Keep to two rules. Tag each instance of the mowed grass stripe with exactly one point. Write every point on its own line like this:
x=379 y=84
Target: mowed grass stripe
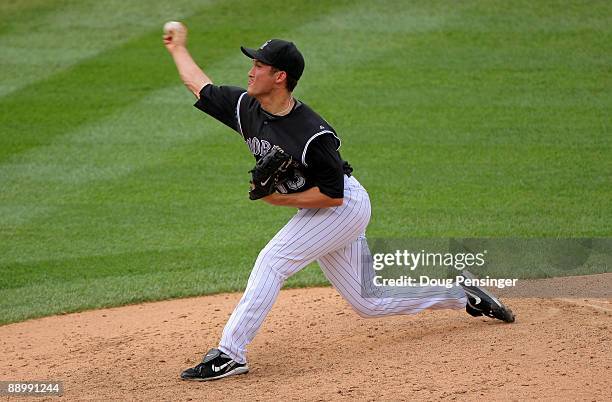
x=85 y=93
x=40 y=39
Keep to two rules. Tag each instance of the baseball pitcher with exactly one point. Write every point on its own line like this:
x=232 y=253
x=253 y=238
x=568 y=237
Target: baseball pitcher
x=297 y=165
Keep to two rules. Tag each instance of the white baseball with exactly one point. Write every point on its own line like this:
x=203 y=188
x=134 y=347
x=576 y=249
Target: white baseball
x=173 y=26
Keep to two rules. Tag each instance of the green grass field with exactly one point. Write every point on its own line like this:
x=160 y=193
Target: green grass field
x=471 y=118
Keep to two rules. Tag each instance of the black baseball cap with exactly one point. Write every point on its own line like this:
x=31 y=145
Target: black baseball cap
x=280 y=54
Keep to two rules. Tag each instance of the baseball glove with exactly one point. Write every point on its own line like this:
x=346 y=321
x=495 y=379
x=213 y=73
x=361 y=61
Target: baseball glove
x=269 y=171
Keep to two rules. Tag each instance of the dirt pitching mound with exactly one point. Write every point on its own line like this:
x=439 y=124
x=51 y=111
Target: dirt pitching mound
x=314 y=347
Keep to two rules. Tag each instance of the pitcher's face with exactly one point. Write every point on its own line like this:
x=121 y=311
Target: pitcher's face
x=262 y=79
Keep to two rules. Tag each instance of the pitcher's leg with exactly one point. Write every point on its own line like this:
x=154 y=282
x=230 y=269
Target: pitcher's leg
x=265 y=282
x=309 y=234
x=343 y=268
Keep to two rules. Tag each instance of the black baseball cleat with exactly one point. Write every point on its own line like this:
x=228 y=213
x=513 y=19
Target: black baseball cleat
x=481 y=302
x=215 y=365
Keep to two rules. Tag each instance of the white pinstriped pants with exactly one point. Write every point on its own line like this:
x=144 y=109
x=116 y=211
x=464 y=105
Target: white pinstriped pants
x=335 y=238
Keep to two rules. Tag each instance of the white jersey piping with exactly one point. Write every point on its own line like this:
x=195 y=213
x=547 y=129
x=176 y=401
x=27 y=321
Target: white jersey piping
x=315 y=136
x=238 y=114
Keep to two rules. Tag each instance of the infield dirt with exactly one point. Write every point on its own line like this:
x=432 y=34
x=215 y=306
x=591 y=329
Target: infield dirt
x=314 y=347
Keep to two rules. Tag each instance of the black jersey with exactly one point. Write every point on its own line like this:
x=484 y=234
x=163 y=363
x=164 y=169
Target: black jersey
x=302 y=133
